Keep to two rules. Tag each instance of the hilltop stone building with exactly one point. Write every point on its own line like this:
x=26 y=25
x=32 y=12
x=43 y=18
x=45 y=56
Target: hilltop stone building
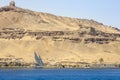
x=12 y=3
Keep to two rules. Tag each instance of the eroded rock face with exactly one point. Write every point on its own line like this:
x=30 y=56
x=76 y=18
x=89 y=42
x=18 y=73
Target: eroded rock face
x=7 y=8
x=74 y=36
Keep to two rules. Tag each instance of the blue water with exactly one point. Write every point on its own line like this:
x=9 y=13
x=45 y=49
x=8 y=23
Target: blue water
x=60 y=74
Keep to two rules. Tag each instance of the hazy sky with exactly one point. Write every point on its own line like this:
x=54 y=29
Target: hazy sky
x=104 y=11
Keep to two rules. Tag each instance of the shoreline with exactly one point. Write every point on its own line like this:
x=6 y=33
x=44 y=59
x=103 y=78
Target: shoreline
x=15 y=67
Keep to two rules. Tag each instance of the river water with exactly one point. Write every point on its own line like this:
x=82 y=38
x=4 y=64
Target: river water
x=59 y=74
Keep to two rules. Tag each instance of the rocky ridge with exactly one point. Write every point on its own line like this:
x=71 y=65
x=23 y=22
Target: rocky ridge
x=57 y=39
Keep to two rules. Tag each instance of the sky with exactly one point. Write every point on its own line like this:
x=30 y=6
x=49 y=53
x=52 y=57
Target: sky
x=103 y=11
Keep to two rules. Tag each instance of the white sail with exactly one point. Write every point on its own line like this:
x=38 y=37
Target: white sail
x=38 y=59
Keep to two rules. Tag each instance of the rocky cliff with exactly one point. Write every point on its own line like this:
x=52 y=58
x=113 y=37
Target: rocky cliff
x=56 y=38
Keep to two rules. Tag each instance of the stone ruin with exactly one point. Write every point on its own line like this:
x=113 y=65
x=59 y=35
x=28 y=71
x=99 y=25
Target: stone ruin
x=12 y=3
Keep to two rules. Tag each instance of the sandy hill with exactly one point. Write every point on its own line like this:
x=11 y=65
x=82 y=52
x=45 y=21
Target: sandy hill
x=56 y=38
x=22 y=18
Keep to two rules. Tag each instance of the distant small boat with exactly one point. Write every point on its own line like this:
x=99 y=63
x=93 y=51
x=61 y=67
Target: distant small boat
x=38 y=60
